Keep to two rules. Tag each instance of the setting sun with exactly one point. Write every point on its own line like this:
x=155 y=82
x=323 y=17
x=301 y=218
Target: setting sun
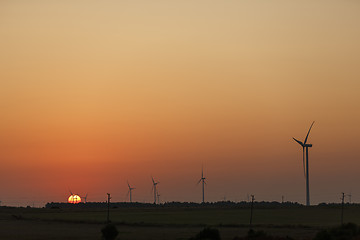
x=74 y=199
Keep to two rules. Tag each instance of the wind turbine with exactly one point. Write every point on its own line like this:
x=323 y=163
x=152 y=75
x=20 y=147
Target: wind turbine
x=306 y=163
x=74 y=198
x=85 y=198
x=154 y=188
x=349 y=195
x=130 y=189
x=202 y=179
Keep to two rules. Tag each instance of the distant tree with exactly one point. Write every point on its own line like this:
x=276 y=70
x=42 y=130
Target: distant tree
x=207 y=234
x=260 y=235
x=257 y=234
x=109 y=232
x=349 y=231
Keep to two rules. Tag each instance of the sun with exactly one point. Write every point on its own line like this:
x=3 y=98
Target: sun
x=74 y=199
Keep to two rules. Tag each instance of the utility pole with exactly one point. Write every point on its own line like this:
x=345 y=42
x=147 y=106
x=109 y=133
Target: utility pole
x=282 y=199
x=342 y=208
x=251 y=210
x=108 y=208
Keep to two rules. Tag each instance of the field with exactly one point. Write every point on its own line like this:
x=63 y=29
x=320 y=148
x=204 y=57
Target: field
x=168 y=223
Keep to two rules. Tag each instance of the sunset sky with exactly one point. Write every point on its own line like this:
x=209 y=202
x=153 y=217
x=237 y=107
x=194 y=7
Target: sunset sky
x=95 y=93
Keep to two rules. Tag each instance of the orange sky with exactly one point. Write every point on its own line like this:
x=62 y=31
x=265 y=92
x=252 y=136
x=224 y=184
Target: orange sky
x=93 y=94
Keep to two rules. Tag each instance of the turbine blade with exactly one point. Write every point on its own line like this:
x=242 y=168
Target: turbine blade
x=308 y=132
x=153 y=180
x=199 y=181
x=299 y=142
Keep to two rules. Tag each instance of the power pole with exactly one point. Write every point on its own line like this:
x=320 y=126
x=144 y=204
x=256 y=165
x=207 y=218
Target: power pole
x=282 y=199
x=342 y=208
x=251 y=210
x=108 y=208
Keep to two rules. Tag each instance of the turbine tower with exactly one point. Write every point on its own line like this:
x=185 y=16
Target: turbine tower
x=202 y=179
x=158 y=198
x=305 y=146
x=130 y=189
x=154 y=188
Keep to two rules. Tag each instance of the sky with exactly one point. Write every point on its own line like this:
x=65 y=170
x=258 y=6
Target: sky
x=97 y=93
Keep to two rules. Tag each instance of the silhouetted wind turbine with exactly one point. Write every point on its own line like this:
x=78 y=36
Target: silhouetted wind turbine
x=85 y=198
x=154 y=188
x=130 y=189
x=202 y=179
x=73 y=199
x=349 y=195
x=306 y=163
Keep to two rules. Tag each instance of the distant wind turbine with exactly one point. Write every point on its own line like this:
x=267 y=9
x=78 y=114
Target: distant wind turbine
x=202 y=180
x=306 y=163
x=130 y=190
x=154 y=188
x=85 y=198
x=349 y=195
x=74 y=198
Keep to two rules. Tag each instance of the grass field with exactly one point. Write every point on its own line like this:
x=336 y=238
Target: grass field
x=168 y=223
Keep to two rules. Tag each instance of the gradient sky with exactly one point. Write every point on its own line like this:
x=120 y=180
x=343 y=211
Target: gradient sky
x=94 y=93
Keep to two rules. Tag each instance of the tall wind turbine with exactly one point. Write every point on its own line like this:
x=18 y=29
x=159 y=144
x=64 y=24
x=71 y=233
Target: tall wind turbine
x=306 y=163
x=202 y=179
x=130 y=189
x=154 y=188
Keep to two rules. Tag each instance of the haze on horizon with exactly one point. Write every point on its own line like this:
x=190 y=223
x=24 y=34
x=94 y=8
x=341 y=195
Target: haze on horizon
x=93 y=94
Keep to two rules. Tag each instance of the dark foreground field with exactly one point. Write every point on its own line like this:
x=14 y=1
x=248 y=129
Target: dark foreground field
x=168 y=223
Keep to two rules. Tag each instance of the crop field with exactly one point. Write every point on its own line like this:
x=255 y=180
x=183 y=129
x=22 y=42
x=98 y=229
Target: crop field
x=168 y=223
